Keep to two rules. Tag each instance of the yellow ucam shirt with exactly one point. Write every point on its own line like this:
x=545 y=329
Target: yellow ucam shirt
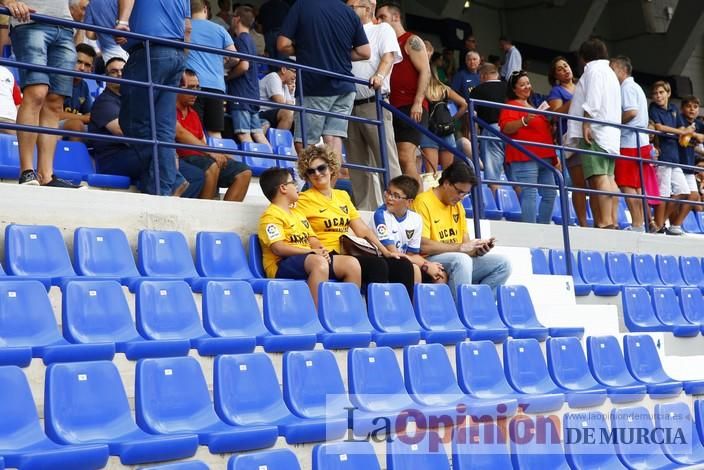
x=278 y=225
x=441 y=223
x=329 y=217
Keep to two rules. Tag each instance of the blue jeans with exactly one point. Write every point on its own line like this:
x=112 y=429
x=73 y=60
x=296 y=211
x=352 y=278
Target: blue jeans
x=492 y=155
x=534 y=172
x=167 y=66
x=491 y=269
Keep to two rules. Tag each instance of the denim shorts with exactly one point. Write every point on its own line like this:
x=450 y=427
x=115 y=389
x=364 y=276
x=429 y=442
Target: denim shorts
x=318 y=125
x=245 y=122
x=43 y=44
x=427 y=143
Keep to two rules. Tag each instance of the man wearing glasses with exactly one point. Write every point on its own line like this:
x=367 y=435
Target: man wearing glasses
x=445 y=238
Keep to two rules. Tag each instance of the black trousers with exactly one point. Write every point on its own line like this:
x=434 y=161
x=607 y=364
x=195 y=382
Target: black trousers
x=377 y=269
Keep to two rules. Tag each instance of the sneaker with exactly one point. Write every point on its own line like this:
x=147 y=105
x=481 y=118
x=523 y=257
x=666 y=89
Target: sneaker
x=674 y=230
x=29 y=178
x=61 y=183
x=662 y=230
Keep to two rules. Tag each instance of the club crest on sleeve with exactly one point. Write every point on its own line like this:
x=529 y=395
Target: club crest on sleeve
x=409 y=233
x=345 y=209
x=381 y=230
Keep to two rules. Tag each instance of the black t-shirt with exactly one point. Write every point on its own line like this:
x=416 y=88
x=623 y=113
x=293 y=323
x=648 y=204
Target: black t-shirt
x=105 y=109
x=272 y=14
x=494 y=91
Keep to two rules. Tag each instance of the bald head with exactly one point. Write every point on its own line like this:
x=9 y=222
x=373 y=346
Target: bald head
x=488 y=71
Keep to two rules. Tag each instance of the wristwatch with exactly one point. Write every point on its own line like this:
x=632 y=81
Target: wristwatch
x=425 y=267
x=121 y=23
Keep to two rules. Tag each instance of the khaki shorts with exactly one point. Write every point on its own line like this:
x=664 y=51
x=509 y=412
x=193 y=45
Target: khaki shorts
x=595 y=165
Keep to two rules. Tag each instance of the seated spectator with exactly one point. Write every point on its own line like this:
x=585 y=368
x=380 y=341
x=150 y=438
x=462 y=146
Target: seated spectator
x=117 y=158
x=76 y=113
x=290 y=247
x=445 y=238
x=219 y=170
x=278 y=87
x=10 y=99
x=399 y=229
x=104 y=13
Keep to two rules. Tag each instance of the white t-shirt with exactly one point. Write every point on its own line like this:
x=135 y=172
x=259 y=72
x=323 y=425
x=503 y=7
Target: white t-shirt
x=633 y=99
x=403 y=233
x=272 y=85
x=382 y=39
x=8 y=109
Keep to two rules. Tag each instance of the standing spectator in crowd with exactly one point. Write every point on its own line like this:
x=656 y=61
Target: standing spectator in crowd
x=169 y=21
x=10 y=99
x=104 y=13
x=671 y=180
x=78 y=13
x=513 y=62
x=449 y=64
x=290 y=247
x=271 y=16
x=219 y=171
x=409 y=82
x=278 y=87
x=491 y=89
x=700 y=180
x=327 y=35
x=362 y=143
x=76 y=113
x=634 y=112
x=467 y=78
x=243 y=81
x=445 y=238
x=223 y=17
x=437 y=67
x=210 y=68
x=597 y=96
x=524 y=125
x=690 y=113
x=41 y=44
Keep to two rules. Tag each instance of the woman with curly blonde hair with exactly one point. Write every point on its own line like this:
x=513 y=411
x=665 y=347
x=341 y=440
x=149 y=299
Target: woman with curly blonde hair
x=331 y=214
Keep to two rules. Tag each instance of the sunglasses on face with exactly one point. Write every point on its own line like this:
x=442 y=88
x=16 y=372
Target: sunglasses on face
x=322 y=169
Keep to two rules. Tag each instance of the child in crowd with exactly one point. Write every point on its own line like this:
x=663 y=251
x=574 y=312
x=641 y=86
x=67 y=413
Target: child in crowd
x=690 y=113
x=400 y=229
x=290 y=247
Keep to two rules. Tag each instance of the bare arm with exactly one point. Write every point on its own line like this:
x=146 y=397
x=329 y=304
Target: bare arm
x=124 y=9
x=384 y=68
x=361 y=53
x=231 y=61
x=285 y=46
x=362 y=230
x=114 y=127
x=183 y=136
x=627 y=116
x=239 y=69
x=282 y=249
x=18 y=9
x=419 y=58
x=673 y=130
x=559 y=106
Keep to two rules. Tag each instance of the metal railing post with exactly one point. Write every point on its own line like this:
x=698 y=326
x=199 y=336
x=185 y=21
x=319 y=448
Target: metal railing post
x=477 y=194
x=382 y=138
x=299 y=94
x=644 y=196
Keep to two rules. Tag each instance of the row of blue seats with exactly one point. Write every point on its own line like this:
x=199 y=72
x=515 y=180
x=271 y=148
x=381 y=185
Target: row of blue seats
x=605 y=274
x=281 y=141
x=664 y=309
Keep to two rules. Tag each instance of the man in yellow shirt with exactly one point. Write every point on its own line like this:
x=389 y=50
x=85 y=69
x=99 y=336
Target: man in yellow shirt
x=445 y=239
x=290 y=247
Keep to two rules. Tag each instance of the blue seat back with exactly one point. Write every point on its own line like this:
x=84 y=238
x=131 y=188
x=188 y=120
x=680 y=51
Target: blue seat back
x=592 y=268
x=103 y=252
x=539 y=261
x=26 y=317
x=516 y=308
x=288 y=151
x=699 y=418
x=289 y=308
x=667 y=307
x=606 y=361
x=623 y=214
x=390 y=309
x=645 y=271
x=480 y=446
x=435 y=307
x=637 y=452
x=428 y=371
x=567 y=363
x=468 y=207
x=691 y=269
x=507 y=201
x=558 y=265
x=166 y=310
x=165 y=254
x=479 y=369
x=254 y=249
x=221 y=254
x=477 y=307
x=36 y=250
x=669 y=270
x=345 y=456
x=642 y=359
x=73 y=157
x=342 y=308
x=525 y=366
x=279 y=137
x=277 y=459
x=407 y=453
x=677 y=418
x=19 y=413
x=488 y=199
x=692 y=304
x=225 y=144
x=620 y=270
x=557 y=211
x=541 y=450
x=580 y=453
x=9 y=156
x=691 y=223
x=313 y=386
x=366 y=365
x=257 y=164
x=638 y=309
x=230 y=309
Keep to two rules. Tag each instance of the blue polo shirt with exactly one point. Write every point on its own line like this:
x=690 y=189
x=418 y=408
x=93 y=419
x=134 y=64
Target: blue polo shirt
x=687 y=156
x=208 y=67
x=669 y=148
x=247 y=85
x=159 y=18
x=324 y=32
x=464 y=81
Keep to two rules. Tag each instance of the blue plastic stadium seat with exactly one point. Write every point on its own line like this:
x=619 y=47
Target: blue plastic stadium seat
x=669 y=270
x=645 y=270
x=620 y=270
x=97 y=312
x=254 y=250
x=437 y=314
x=225 y=144
x=407 y=453
x=608 y=367
x=568 y=366
x=73 y=162
x=166 y=311
x=583 y=454
x=478 y=312
x=9 y=157
x=593 y=271
x=290 y=152
x=165 y=255
x=699 y=418
x=691 y=223
x=516 y=310
x=257 y=164
x=542 y=450
x=667 y=309
x=431 y=382
x=692 y=305
x=37 y=252
x=247 y=393
x=343 y=315
x=691 y=269
x=557 y=212
x=676 y=416
x=230 y=310
x=468 y=206
x=278 y=459
x=28 y=329
x=491 y=210
x=639 y=313
x=189 y=465
x=222 y=255
x=22 y=440
x=558 y=266
x=289 y=314
x=637 y=453
x=345 y=456
x=391 y=313
x=508 y=204
x=623 y=214
x=171 y=397
x=539 y=261
x=480 y=446
x=104 y=253
x=103 y=416
x=279 y=138
x=590 y=216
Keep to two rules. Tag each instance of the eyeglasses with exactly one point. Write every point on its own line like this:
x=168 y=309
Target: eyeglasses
x=462 y=194
x=288 y=182
x=396 y=196
x=322 y=169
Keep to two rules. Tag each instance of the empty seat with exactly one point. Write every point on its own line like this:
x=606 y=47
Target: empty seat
x=608 y=367
x=491 y=210
x=539 y=449
x=593 y=271
x=645 y=270
x=643 y=362
x=28 y=329
x=557 y=212
x=104 y=253
x=424 y=453
x=639 y=313
x=391 y=313
x=667 y=309
x=257 y=164
x=677 y=417
x=345 y=456
x=279 y=138
x=691 y=223
x=568 y=366
x=166 y=311
x=692 y=272
x=171 y=397
x=189 y=465
x=254 y=251
x=437 y=314
x=539 y=261
x=165 y=255
x=558 y=266
x=468 y=206
x=692 y=305
x=222 y=255
x=479 y=446
x=478 y=312
x=289 y=314
x=277 y=459
x=97 y=312
x=72 y=161
x=481 y=375
x=620 y=270
x=22 y=440
x=344 y=316
x=623 y=214
x=9 y=157
x=669 y=270
x=103 y=416
x=508 y=204
x=585 y=454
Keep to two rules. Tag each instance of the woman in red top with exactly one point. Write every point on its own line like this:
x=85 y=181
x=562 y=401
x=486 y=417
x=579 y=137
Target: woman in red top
x=522 y=125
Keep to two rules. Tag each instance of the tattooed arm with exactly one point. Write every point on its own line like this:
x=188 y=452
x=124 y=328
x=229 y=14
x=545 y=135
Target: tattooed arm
x=419 y=57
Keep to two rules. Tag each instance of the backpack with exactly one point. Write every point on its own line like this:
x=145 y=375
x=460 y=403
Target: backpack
x=440 y=121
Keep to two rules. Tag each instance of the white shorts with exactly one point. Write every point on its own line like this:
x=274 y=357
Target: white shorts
x=692 y=183
x=671 y=181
